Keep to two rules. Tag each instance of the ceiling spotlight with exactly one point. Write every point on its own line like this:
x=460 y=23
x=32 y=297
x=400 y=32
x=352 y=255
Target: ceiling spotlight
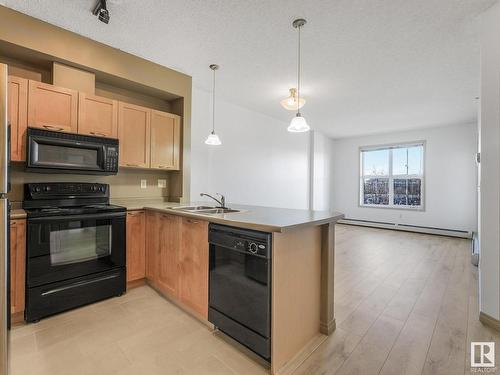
x=101 y=11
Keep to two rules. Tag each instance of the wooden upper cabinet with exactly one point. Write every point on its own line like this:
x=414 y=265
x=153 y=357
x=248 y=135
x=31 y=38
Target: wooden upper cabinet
x=167 y=273
x=52 y=108
x=17 y=265
x=165 y=140
x=18 y=116
x=193 y=265
x=136 y=245
x=97 y=116
x=134 y=134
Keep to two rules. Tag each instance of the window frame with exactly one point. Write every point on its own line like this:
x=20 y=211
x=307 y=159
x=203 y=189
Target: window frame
x=392 y=177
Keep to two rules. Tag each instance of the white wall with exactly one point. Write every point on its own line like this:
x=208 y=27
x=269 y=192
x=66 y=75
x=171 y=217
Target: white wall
x=322 y=172
x=259 y=161
x=489 y=274
x=450 y=179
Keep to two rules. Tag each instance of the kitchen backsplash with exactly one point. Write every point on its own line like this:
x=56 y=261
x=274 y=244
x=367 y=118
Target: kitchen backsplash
x=126 y=184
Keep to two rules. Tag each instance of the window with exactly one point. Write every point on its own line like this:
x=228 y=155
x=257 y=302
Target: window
x=392 y=176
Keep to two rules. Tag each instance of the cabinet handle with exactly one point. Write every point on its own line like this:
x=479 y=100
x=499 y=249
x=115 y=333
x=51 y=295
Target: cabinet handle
x=53 y=128
x=132 y=165
x=99 y=134
x=163 y=166
x=136 y=213
x=192 y=221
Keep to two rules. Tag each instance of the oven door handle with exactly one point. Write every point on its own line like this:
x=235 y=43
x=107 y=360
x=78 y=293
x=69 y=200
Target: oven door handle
x=78 y=217
x=79 y=284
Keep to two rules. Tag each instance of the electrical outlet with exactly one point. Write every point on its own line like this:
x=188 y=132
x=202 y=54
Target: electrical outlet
x=144 y=184
x=162 y=183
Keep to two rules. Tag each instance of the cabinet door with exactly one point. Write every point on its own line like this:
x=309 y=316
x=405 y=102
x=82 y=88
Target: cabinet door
x=165 y=140
x=134 y=134
x=97 y=116
x=51 y=107
x=17 y=264
x=18 y=116
x=136 y=245
x=167 y=274
x=152 y=245
x=193 y=265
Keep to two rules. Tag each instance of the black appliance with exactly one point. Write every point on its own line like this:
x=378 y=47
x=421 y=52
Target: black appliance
x=240 y=286
x=75 y=247
x=56 y=152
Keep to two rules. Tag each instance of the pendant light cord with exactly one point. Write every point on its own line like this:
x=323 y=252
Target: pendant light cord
x=298 y=76
x=213 y=105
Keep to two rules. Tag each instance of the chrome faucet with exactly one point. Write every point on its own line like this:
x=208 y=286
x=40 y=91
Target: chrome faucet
x=221 y=201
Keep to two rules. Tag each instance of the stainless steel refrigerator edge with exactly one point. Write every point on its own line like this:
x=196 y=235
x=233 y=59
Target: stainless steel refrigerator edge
x=4 y=220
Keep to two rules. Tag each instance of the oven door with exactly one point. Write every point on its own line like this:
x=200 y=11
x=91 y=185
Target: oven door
x=63 y=153
x=240 y=288
x=64 y=247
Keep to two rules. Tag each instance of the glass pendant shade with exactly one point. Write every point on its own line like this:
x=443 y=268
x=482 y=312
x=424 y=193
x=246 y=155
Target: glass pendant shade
x=213 y=140
x=290 y=103
x=298 y=125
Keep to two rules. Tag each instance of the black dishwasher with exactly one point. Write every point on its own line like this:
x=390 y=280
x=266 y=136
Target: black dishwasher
x=240 y=286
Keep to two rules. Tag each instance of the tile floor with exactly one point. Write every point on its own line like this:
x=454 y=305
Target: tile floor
x=404 y=303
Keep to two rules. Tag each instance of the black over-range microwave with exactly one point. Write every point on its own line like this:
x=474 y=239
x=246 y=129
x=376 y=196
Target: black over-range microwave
x=56 y=152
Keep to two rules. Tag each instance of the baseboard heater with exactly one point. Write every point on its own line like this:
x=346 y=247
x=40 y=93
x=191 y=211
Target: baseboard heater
x=408 y=228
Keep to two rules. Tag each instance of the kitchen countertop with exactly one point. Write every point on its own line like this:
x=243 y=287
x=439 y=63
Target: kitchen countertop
x=269 y=219
x=17 y=213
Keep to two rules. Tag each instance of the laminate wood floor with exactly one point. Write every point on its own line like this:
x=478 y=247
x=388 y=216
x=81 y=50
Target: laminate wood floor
x=405 y=304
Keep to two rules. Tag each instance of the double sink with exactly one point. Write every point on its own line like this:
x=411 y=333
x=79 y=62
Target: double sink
x=204 y=210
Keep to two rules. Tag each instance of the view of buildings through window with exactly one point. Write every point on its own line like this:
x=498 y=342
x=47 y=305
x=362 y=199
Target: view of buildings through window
x=392 y=176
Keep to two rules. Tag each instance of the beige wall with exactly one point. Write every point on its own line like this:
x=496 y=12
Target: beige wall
x=126 y=184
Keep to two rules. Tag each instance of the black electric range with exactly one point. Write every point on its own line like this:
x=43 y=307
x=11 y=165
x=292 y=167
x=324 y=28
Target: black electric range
x=76 y=251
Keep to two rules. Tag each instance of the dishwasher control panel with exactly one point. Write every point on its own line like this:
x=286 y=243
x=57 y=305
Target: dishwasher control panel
x=243 y=240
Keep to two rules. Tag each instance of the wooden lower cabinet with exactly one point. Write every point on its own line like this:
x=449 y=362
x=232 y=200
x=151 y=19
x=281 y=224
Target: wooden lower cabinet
x=167 y=275
x=136 y=245
x=152 y=244
x=163 y=234
x=17 y=265
x=193 y=265
x=177 y=259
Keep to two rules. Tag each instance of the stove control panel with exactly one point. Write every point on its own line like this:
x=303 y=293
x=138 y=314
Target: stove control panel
x=51 y=190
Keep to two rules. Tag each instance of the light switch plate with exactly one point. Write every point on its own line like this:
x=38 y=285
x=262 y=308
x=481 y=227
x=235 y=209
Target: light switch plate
x=162 y=183
x=144 y=184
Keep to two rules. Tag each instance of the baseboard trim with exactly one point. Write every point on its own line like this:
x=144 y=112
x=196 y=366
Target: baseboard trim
x=17 y=318
x=292 y=365
x=408 y=228
x=135 y=283
x=489 y=321
x=327 y=329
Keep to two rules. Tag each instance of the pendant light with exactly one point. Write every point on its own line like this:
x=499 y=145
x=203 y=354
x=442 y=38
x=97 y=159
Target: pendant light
x=290 y=103
x=213 y=139
x=298 y=123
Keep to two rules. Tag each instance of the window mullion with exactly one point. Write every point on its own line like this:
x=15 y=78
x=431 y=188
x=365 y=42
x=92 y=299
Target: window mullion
x=391 y=182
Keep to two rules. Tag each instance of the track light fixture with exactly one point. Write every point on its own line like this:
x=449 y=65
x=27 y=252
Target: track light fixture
x=101 y=11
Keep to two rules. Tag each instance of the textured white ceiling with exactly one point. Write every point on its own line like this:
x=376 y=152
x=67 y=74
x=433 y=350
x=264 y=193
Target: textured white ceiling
x=369 y=66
